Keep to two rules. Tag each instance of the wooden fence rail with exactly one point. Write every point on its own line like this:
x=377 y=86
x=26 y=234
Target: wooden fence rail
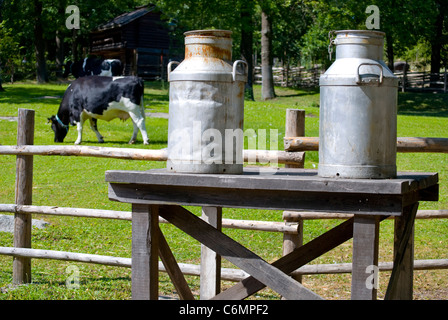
x=299 y=76
x=269 y=226
x=253 y=156
x=292 y=76
x=422 y=81
x=228 y=274
x=408 y=145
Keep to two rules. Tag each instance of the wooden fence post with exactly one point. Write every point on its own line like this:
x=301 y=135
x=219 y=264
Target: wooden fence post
x=23 y=196
x=295 y=127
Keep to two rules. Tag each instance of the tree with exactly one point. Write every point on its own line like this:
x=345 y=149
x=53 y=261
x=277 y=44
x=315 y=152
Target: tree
x=234 y=15
x=247 y=35
x=438 y=40
x=267 y=86
x=291 y=23
x=39 y=44
x=42 y=24
x=9 y=51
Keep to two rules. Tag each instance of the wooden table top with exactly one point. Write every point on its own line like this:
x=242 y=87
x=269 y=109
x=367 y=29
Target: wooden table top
x=285 y=188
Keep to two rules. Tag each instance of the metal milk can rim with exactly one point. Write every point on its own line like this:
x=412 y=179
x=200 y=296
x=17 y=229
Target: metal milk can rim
x=360 y=71
x=220 y=69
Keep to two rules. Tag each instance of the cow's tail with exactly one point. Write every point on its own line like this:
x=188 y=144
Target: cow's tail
x=142 y=106
x=142 y=102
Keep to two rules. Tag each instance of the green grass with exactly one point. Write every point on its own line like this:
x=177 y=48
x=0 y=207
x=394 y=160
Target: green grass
x=79 y=182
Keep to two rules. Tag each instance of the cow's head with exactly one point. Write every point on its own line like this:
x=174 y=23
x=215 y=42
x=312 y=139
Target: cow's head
x=60 y=129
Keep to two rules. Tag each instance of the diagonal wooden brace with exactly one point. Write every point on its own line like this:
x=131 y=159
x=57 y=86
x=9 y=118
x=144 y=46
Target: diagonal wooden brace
x=173 y=270
x=234 y=252
x=297 y=258
x=395 y=288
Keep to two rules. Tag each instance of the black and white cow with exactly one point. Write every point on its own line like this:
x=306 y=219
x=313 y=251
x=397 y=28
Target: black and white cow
x=94 y=67
x=105 y=98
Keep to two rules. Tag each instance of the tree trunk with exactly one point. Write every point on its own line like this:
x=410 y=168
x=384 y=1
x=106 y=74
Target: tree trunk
x=39 y=44
x=59 y=53
x=390 y=51
x=267 y=86
x=247 y=34
x=75 y=53
x=436 y=43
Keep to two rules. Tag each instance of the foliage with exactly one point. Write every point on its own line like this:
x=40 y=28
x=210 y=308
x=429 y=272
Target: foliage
x=300 y=27
x=9 y=52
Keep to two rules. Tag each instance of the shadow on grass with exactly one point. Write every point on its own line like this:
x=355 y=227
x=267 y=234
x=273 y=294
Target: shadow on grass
x=23 y=94
x=113 y=143
x=300 y=93
x=31 y=94
x=423 y=104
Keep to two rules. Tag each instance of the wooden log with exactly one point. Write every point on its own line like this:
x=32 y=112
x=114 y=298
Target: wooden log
x=429 y=264
x=270 y=226
x=258 y=156
x=297 y=216
x=70 y=212
x=194 y=270
x=87 y=151
x=301 y=143
x=405 y=145
x=23 y=196
x=66 y=256
x=273 y=156
x=422 y=145
x=295 y=127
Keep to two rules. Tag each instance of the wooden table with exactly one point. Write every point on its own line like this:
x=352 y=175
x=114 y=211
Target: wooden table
x=157 y=193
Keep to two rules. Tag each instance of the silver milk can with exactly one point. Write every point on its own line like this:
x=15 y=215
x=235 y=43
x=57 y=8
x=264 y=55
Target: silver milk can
x=358 y=110
x=206 y=107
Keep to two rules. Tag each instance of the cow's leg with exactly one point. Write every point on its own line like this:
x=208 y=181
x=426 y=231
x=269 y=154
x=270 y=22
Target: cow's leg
x=94 y=127
x=134 y=133
x=139 y=124
x=138 y=118
x=79 y=126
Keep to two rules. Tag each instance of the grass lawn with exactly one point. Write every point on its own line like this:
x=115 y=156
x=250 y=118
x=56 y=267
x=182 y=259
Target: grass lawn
x=79 y=182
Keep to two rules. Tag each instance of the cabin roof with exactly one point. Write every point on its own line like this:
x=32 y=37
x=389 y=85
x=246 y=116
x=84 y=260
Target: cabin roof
x=125 y=18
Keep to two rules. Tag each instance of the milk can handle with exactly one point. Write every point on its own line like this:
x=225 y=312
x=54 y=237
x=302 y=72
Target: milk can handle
x=358 y=77
x=235 y=65
x=169 y=67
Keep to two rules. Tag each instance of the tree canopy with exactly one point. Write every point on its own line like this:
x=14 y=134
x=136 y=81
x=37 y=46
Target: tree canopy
x=33 y=32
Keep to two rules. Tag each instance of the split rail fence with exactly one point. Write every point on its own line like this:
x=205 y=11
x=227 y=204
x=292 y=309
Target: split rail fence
x=292 y=227
x=423 y=81
x=419 y=81
x=292 y=76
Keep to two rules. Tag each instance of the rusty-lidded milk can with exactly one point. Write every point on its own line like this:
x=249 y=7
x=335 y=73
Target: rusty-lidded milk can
x=206 y=108
x=358 y=110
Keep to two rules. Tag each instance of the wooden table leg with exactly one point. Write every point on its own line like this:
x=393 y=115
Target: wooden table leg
x=145 y=252
x=365 y=257
x=210 y=261
x=401 y=280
